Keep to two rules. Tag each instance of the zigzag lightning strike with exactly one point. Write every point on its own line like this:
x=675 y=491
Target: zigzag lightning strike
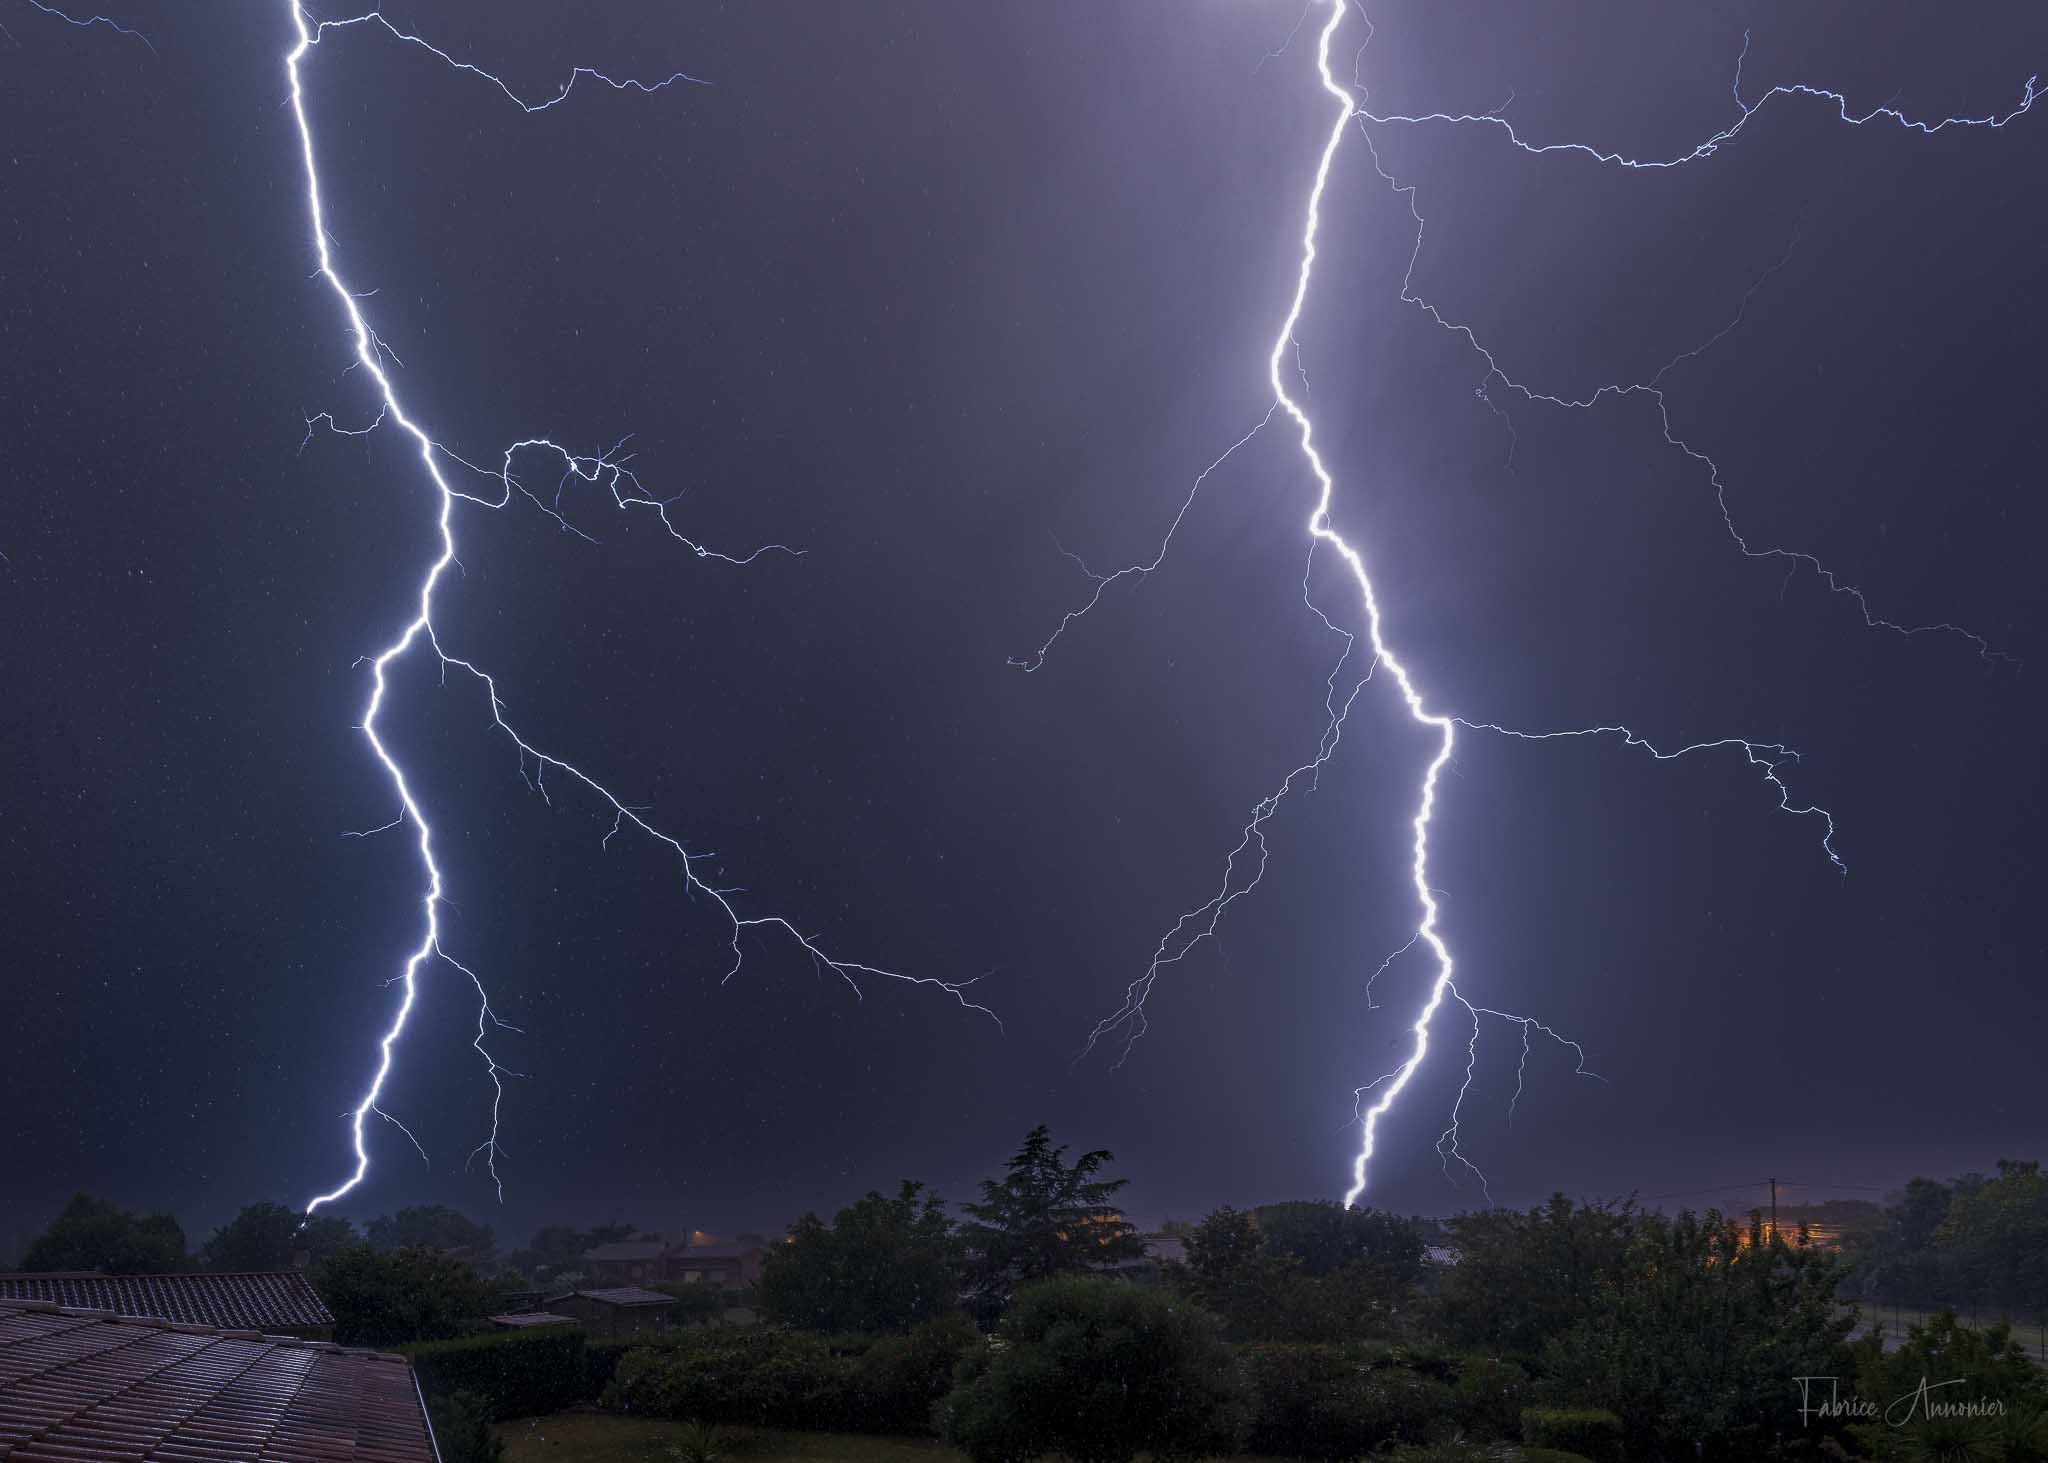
x=1245 y=865
x=614 y=473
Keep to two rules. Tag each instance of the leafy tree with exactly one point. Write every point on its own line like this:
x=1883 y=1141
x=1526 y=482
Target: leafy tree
x=1961 y=1364
x=696 y=1304
x=433 y=1227
x=1323 y=1237
x=95 y=1234
x=1310 y=1271
x=882 y=1264
x=1694 y=1336
x=269 y=1236
x=391 y=1297
x=1098 y=1370
x=1045 y=1218
x=1522 y=1278
x=1994 y=1238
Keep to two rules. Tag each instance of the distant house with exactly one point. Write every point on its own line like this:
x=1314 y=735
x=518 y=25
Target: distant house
x=688 y=1260
x=623 y=1310
x=629 y=1262
x=82 y=1385
x=277 y=1302
x=729 y=1267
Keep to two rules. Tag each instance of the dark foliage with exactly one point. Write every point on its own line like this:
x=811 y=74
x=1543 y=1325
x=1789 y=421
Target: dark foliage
x=1694 y=1336
x=762 y=1376
x=93 y=1234
x=1338 y=1401
x=391 y=1297
x=432 y=1227
x=1303 y=1271
x=269 y=1236
x=1042 y=1219
x=1590 y=1432
x=516 y=1374
x=1960 y=1364
x=1525 y=1277
x=1098 y=1371
x=883 y=1264
x=462 y=1429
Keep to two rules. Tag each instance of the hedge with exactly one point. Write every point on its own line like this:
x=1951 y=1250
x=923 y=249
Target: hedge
x=1323 y=1401
x=519 y=1373
x=1592 y=1431
x=765 y=1377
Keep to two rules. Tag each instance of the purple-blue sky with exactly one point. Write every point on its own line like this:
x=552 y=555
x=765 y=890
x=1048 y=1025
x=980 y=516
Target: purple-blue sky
x=931 y=293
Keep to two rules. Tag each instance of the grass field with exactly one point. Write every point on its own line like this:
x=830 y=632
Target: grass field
x=597 y=1437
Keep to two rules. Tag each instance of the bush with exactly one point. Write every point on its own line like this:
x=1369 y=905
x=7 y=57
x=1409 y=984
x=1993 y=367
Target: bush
x=1489 y=1395
x=1338 y=1401
x=754 y=1376
x=1593 y=1431
x=1097 y=1370
x=516 y=1374
x=894 y=1384
x=1550 y=1455
x=462 y=1429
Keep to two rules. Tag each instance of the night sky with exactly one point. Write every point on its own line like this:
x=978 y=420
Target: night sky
x=933 y=291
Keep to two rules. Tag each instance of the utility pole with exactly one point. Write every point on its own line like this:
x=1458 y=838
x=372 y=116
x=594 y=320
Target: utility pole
x=1774 y=1208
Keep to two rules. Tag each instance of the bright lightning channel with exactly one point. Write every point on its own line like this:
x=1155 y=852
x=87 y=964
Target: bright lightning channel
x=1245 y=866
x=614 y=473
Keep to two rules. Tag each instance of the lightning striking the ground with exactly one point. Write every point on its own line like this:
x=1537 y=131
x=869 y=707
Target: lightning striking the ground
x=610 y=470
x=1245 y=866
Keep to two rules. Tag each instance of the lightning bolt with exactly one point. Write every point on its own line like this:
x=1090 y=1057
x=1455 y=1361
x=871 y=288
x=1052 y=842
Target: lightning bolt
x=1652 y=388
x=86 y=22
x=1244 y=867
x=614 y=473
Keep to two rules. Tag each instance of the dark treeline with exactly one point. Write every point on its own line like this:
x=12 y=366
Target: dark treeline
x=1569 y=1331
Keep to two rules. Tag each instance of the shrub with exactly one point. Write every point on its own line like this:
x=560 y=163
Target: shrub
x=1338 y=1401
x=462 y=1429
x=1489 y=1395
x=755 y=1375
x=1550 y=1455
x=1593 y=1431
x=517 y=1374
x=893 y=1385
x=1097 y=1370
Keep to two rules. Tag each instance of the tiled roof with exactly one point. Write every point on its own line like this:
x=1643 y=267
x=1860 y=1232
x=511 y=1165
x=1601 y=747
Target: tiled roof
x=624 y=1295
x=78 y=1386
x=259 y=1300
x=714 y=1252
x=520 y=1320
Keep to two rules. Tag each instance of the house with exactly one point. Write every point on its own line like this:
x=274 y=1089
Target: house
x=83 y=1385
x=629 y=1262
x=729 y=1267
x=278 y=1302
x=622 y=1310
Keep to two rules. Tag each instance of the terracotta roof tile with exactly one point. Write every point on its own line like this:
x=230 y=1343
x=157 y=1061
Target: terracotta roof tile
x=260 y=1300
x=78 y=1388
